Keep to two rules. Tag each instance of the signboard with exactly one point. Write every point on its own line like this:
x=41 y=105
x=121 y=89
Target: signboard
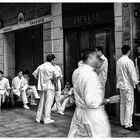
x=96 y=18
x=26 y=24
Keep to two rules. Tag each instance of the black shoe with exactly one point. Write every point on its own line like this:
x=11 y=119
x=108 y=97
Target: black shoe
x=132 y=128
x=122 y=126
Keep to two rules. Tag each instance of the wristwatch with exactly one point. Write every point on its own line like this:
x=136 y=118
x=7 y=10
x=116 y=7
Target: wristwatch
x=107 y=100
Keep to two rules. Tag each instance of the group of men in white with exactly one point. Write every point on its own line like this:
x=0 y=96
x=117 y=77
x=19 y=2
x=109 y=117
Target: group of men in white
x=19 y=88
x=88 y=80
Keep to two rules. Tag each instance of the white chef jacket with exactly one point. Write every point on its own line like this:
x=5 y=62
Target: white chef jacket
x=43 y=74
x=4 y=85
x=18 y=83
x=126 y=73
x=88 y=96
x=58 y=73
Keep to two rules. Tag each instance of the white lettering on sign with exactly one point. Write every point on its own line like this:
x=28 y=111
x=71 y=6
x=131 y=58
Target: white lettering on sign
x=26 y=24
x=38 y=21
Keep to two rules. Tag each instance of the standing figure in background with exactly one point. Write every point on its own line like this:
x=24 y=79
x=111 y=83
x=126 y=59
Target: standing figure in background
x=126 y=80
x=57 y=105
x=137 y=62
x=31 y=89
x=19 y=88
x=137 y=95
x=45 y=74
x=103 y=66
x=4 y=88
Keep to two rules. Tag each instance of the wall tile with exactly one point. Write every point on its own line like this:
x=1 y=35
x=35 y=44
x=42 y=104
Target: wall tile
x=118 y=24
x=47 y=35
x=47 y=45
x=118 y=9
x=118 y=39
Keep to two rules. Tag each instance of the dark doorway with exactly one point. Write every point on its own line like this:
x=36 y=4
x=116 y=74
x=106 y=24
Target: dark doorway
x=29 y=49
x=78 y=39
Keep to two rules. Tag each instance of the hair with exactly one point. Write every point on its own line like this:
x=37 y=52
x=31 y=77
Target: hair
x=50 y=57
x=26 y=72
x=138 y=46
x=99 y=48
x=86 y=54
x=1 y=72
x=125 y=49
x=18 y=71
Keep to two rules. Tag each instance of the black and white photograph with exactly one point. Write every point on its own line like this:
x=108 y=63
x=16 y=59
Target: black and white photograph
x=69 y=69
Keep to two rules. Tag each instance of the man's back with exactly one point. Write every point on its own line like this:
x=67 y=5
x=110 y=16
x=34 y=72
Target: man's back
x=126 y=73
x=44 y=73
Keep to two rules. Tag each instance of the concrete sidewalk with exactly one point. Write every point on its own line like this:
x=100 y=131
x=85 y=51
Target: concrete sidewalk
x=18 y=122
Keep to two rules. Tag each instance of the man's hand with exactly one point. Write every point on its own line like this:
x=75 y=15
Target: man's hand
x=106 y=101
x=114 y=99
x=138 y=88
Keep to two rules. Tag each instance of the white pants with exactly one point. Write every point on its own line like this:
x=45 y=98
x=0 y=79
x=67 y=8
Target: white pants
x=22 y=94
x=34 y=91
x=57 y=104
x=3 y=94
x=126 y=106
x=46 y=101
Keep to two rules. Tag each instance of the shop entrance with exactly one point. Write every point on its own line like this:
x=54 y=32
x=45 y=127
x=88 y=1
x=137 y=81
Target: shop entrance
x=79 y=39
x=29 y=49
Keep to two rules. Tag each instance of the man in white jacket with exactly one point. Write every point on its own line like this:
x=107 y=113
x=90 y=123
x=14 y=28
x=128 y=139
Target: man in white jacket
x=45 y=74
x=127 y=80
x=19 y=88
x=90 y=118
x=4 y=88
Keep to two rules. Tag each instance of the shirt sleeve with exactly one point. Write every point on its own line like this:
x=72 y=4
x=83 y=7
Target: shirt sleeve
x=13 y=83
x=137 y=69
x=92 y=93
x=36 y=73
x=60 y=72
x=7 y=84
x=24 y=84
x=104 y=70
x=133 y=74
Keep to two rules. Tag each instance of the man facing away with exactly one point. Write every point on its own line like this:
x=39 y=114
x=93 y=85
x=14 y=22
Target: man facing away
x=4 y=88
x=45 y=74
x=90 y=118
x=126 y=80
x=19 y=88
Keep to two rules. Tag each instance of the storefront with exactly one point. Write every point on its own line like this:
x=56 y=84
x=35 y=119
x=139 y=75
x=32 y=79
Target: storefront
x=87 y=26
x=26 y=35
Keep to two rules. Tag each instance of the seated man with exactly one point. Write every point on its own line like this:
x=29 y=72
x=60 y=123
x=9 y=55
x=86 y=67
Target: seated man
x=4 y=88
x=31 y=90
x=67 y=98
x=19 y=88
